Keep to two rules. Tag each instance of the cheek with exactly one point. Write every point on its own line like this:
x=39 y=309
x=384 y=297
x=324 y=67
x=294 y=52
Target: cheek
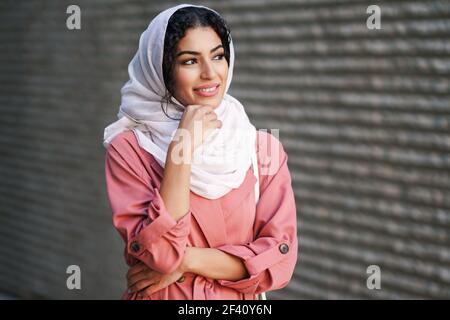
x=181 y=80
x=224 y=72
x=184 y=81
x=222 y=66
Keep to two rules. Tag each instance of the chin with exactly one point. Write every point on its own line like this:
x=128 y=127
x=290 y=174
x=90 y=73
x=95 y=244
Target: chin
x=213 y=102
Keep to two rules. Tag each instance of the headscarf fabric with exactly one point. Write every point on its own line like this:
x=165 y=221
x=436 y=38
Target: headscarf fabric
x=221 y=162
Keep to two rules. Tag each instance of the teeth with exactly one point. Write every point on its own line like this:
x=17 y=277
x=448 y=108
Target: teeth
x=208 y=89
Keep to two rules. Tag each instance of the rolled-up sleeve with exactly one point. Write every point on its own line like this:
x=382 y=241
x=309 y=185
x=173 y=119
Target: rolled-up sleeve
x=271 y=258
x=150 y=233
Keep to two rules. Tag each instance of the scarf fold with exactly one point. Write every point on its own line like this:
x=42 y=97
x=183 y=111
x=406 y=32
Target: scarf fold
x=221 y=162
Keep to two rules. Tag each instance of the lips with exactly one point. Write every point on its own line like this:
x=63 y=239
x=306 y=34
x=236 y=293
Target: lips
x=207 y=90
x=205 y=86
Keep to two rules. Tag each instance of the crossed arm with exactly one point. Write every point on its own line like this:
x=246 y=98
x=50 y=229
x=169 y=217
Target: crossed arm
x=208 y=262
x=214 y=264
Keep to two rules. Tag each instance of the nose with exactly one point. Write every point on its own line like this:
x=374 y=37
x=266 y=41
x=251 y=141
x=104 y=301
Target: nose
x=208 y=71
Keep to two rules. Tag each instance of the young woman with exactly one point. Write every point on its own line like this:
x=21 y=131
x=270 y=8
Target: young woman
x=179 y=173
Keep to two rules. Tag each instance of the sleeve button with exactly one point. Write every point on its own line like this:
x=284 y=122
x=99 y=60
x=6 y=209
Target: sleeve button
x=135 y=246
x=284 y=248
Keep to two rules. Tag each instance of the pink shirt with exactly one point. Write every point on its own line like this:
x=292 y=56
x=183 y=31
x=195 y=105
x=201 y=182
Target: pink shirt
x=263 y=236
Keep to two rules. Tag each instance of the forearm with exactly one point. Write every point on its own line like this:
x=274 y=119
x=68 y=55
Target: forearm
x=175 y=185
x=214 y=264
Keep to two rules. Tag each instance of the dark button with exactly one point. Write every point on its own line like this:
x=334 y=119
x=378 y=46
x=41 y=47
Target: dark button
x=135 y=246
x=181 y=279
x=284 y=248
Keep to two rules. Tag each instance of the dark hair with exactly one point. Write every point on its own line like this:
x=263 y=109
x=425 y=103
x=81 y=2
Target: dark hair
x=178 y=24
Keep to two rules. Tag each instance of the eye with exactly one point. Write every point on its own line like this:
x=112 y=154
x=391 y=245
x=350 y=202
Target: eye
x=187 y=62
x=192 y=61
x=220 y=56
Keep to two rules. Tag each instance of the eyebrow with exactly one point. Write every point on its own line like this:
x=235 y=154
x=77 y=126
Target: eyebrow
x=195 y=53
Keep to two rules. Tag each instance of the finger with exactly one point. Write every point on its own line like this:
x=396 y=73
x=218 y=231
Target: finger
x=211 y=116
x=140 y=285
x=206 y=109
x=141 y=276
x=136 y=268
x=149 y=290
x=193 y=107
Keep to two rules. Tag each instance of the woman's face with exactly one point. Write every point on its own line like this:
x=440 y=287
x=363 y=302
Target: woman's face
x=200 y=64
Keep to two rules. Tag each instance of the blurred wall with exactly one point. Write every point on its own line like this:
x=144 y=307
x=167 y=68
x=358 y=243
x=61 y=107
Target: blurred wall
x=363 y=115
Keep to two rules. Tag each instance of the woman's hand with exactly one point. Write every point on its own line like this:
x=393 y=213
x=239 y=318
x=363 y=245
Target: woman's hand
x=207 y=121
x=146 y=281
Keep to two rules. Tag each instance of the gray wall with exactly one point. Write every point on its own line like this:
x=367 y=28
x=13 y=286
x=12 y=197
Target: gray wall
x=363 y=114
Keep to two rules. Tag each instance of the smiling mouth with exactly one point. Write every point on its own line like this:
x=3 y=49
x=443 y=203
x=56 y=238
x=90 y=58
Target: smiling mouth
x=207 y=92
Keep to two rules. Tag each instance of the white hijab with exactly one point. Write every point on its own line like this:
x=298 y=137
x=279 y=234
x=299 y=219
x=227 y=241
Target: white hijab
x=222 y=161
